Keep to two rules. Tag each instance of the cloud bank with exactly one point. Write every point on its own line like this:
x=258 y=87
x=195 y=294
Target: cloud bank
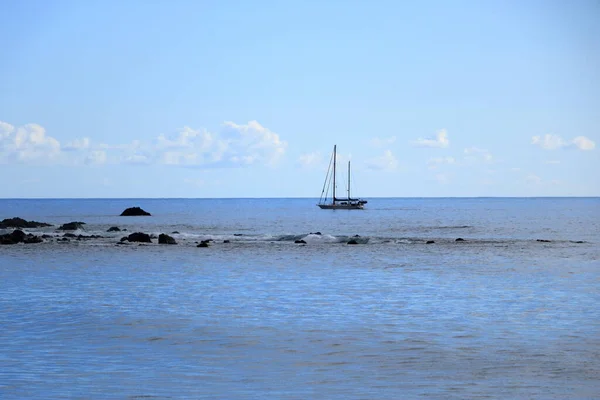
x=233 y=145
x=554 y=142
x=440 y=140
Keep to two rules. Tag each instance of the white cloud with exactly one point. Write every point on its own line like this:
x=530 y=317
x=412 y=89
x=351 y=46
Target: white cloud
x=309 y=160
x=380 y=142
x=583 y=143
x=253 y=141
x=533 y=179
x=78 y=144
x=440 y=140
x=435 y=162
x=96 y=157
x=27 y=143
x=235 y=144
x=135 y=159
x=477 y=154
x=554 y=142
x=387 y=162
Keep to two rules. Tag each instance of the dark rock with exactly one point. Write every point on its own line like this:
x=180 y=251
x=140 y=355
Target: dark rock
x=33 y=239
x=430 y=242
x=579 y=241
x=123 y=239
x=70 y=235
x=139 y=237
x=226 y=241
x=47 y=236
x=114 y=229
x=17 y=222
x=543 y=240
x=203 y=244
x=300 y=241
x=237 y=234
x=124 y=230
x=63 y=240
x=316 y=233
x=71 y=226
x=165 y=239
x=18 y=236
x=15 y=237
x=459 y=240
x=352 y=241
x=134 y=211
x=356 y=236
x=174 y=233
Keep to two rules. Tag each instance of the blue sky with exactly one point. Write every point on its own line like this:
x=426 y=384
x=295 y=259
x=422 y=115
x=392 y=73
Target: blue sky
x=247 y=98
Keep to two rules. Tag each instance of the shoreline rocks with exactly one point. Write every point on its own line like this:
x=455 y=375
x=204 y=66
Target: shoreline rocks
x=18 y=236
x=134 y=212
x=18 y=222
x=137 y=237
x=71 y=226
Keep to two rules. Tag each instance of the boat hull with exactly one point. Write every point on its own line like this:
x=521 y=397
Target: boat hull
x=354 y=206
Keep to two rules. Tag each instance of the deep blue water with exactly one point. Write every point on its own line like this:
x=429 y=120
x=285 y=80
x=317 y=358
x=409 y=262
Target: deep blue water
x=499 y=315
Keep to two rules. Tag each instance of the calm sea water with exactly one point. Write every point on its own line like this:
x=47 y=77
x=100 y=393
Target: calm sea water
x=499 y=315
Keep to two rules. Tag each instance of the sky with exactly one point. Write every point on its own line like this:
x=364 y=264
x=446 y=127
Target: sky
x=247 y=98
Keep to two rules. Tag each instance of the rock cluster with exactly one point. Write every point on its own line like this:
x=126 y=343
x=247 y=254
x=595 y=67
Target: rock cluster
x=18 y=236
x=17 y=222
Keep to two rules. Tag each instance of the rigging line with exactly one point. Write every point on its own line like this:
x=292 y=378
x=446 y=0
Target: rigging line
x=327 y=178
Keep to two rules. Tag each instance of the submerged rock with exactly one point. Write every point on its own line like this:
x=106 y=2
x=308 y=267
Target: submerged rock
x=459 y=240
x=226 y=241
x=300 y=241
x=175 y=233
x=544 y=240
x=134 y=211
x=352 y=241
x=203 y=244
x=139 y=237
x=429 y=242
x=71 y=226
x=17 y=222
x=316 y=233
x=165 y=239
x=114 y=229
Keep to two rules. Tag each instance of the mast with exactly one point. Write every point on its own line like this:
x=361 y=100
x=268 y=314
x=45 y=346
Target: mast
x=334 y=151
x=348 y=180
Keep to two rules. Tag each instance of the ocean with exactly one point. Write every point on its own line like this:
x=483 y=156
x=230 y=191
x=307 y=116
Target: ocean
x=510 y=312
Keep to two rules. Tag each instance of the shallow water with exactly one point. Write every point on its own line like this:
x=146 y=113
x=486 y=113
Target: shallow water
x=500 y=315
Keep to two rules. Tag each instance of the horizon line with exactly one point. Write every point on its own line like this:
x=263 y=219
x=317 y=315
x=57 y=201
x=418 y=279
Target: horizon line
x=282 y=198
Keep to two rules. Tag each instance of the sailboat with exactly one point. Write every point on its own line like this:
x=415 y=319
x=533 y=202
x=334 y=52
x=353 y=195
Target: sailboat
x=335 y=203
